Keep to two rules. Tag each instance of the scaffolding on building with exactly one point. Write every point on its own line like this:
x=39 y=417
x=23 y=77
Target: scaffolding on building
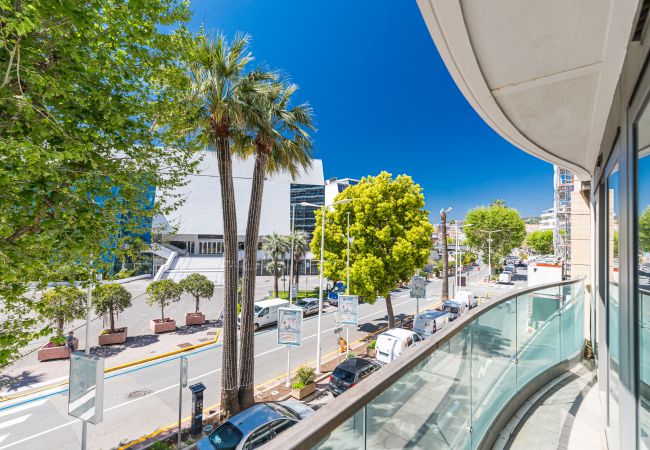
x=562 y=188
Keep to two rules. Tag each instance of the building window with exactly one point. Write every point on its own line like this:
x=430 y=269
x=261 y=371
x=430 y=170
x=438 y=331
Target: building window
x=305 y=218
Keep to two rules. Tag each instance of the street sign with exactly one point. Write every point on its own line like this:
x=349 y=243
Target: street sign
x=184 y=371
x=348 y=309
x=294 y=290
x=86 y=388
x=290 y=326
x=338 y=330
x=418 y=287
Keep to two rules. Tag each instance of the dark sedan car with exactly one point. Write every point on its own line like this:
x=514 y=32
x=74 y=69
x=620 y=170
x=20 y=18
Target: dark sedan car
x=349 y=373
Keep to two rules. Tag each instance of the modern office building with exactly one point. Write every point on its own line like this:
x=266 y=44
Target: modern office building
x=334 y=186
x=567 y=82
x=194 y=231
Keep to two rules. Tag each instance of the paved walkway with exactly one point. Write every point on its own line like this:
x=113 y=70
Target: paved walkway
x=567 y=415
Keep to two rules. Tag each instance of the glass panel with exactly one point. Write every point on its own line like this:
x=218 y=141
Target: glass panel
x=538 y=333
x=347 y=436
x=643 y=270
x=493 y=364
x=572 y=311
x=612 y=301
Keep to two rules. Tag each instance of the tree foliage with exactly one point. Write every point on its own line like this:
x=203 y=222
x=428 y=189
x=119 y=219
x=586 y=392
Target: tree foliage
x=276 y=245
x=644 y=230
x=503 y=224
x=163 y=293
x=111 y=299
x=390 y=232
x=540 y=241
x=62 y=304
x=198 y=286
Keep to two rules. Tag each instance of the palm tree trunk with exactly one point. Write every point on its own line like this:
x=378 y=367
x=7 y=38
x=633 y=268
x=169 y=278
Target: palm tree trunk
x=229 y=388
x=276 y=279
x=445 y=258
x=296 y=270
x=389 y=311
x=247 y=340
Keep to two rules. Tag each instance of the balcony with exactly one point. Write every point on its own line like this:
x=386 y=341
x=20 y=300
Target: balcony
x=461 y=388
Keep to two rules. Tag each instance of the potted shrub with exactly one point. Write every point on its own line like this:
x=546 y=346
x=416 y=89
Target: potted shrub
x=61 y=304
x=163 y=293
x=198 y=286
x=370 y=350
x=304 y=383
x=111 y=299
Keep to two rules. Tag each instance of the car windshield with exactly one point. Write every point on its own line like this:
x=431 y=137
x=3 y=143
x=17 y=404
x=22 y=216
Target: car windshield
x=302 y=302
x=343 y=374
x=226 y=437
x=257 y=309
x=281 y=409
x=452 y=309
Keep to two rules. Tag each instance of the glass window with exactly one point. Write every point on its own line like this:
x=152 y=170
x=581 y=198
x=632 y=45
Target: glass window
x=344 y=375
x=259 y=438
x=226 y=437
x=643 y=272
x=612 y=224
x=281 y=425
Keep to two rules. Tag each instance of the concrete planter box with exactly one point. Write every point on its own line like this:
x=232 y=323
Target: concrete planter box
x=304 y=392
x=158 y=326
x=57 y=352
x=194 y=318
x=371 y=352
x=119 y=337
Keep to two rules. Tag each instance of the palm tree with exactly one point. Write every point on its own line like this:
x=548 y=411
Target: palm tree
x=280 y=142
x=224 y=93
x=300 y=249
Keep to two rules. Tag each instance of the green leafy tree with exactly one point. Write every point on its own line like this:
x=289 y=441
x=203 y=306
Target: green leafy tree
x=62 y=304
x=644 y=230
x=129 y=248
x=91 y=117
x=111 y=299
x=279 y=139
x=223 y=87
x=163 y=293
x=198 y=286
x=540 y=241
x=497 y=222
x=276 y=245
x=391 y=236
x=300 y=249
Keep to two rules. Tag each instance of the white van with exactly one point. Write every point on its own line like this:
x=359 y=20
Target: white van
x=505 y=278
x=391 y=344
x=467 y=298
x=427 y=323
x=266 y=312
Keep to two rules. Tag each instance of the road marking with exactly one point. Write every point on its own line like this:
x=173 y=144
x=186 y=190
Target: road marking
x=28 y=438
x=22 y=408
x=3 y=437
x=12 y=422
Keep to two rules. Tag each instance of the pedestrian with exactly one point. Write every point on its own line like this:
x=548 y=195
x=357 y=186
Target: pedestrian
x=69 y=341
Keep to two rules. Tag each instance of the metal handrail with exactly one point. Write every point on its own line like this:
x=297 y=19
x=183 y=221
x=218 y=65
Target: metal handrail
x=313 y=429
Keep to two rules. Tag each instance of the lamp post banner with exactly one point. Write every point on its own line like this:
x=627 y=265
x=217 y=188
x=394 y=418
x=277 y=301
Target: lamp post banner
x=290 y=326
x=349 y=309
x=418 y=287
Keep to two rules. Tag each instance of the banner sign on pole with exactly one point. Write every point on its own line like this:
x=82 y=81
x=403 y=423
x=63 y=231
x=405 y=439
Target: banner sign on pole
x=418 y=287
x=184 y=371
x=86 y=388
x=294 y=290
x=290 y=326
x=348 y=309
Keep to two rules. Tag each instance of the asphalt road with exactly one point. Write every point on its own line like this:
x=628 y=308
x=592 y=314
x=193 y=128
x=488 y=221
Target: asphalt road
x=143 y=398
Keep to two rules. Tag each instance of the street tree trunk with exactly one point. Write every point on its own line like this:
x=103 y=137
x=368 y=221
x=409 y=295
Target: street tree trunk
x=247 y=340
x=112 y=318
x=296 y=267
x=229 y=388
x=445 y=257
x=276 y=279
x=162 y=311
x=389 y=311
x=197 y=298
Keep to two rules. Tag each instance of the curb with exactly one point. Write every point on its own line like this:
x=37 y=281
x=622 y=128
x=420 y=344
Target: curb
x=118 y=367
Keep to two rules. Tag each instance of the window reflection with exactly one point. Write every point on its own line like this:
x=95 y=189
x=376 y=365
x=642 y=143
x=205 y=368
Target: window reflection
x=613 y=300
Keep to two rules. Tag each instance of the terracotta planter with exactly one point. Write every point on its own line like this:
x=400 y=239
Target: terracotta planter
x=371 y=352
x=194 y=318
x=58 y=352
x=304 y=392
x=119 y=337
x=158 y=326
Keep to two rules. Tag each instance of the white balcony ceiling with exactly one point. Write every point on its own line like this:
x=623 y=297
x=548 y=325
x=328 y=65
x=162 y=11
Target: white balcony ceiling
x=540 y=73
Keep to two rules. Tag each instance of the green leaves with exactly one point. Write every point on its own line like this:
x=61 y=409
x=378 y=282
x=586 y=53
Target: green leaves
x=62 y=304
x=197 y=285
x=540 y=241
x=110 y=298
x=502 y=224
x=163 y=292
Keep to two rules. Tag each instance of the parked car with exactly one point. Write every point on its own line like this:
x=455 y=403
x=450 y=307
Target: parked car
x=391 y=343
x=510 y=268
x=266 y=312
x=466 y=297
x=427 y=323
x=505 y=278
x=308 y=306
x=454 y=309
x=349 y=373
x=255 y=426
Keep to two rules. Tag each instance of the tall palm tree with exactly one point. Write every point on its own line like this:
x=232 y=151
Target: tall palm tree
x=444 y=295
x=280 y=142
x=300 y=249
x=224 y=87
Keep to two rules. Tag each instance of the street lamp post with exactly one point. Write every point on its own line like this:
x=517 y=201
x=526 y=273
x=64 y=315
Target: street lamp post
x=320 y=283
x=293 y=229
x=347 y=328
x=489 y=232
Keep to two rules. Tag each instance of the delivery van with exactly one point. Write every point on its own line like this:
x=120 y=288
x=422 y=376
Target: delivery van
x=454 y=309
x=266 y=312
x=505 y=278
x=427 y=323
x=466 y=297
x=391 y=344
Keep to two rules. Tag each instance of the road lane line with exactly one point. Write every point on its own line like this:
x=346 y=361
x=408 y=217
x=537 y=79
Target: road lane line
x=12 y=422
x=22 y=408
x=28 y=438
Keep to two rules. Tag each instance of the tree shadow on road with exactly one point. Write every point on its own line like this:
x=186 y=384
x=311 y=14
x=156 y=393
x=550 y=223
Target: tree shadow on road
x=12 y=383
x=141 y=341
x=193 y=329
x=106 y=351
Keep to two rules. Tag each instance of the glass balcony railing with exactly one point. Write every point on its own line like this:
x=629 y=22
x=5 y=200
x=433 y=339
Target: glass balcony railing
x=449 y=392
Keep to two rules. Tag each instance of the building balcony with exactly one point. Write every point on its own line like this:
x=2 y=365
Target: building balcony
x=472 y=385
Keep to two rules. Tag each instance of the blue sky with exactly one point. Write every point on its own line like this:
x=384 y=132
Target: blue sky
x=383 y=99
